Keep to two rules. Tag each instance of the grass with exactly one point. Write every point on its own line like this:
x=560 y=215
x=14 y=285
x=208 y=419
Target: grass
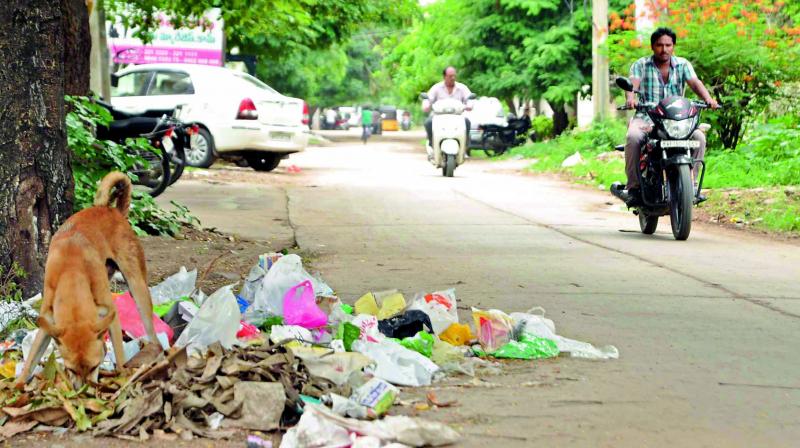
x=751 y=186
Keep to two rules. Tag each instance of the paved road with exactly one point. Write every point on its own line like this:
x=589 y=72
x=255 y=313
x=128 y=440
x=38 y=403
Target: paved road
x=707 y=329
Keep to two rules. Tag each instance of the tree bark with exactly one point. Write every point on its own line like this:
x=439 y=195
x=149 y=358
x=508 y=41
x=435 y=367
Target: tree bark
x=44 y=46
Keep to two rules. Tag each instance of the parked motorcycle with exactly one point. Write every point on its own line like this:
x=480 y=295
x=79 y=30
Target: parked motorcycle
x=496 y=139
x=168 y=135
x=665 y=167
x=449 y=146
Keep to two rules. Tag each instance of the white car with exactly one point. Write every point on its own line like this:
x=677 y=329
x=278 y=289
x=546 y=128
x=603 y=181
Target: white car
x=239 y=116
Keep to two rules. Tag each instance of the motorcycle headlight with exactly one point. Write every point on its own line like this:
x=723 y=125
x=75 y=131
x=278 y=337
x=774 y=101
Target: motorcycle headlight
x=679 y=129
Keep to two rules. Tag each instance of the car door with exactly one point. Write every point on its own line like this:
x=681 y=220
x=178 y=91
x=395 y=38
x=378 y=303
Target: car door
x=129 y=94
x=168 y=89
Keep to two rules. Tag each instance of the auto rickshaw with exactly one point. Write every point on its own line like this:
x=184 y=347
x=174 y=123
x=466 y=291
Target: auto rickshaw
x=388 y=118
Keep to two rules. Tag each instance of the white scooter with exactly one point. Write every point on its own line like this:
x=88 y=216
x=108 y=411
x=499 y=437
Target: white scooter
x=449 y=145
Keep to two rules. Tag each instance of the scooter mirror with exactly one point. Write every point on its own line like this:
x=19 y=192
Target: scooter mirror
x=423 y=96
x=624 y=84
x=472 y=96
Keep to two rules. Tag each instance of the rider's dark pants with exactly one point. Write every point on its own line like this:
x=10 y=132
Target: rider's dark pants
x=637 y=137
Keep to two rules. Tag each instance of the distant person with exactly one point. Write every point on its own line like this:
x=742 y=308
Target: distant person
x=330 y=118
x=447 y=88
x=366 y=124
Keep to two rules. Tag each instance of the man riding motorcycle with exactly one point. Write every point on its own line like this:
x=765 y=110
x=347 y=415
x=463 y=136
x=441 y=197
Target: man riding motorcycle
x=655 y=78
x=448 y=88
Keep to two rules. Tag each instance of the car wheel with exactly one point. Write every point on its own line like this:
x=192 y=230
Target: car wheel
x=200 y=152
x=263 y=161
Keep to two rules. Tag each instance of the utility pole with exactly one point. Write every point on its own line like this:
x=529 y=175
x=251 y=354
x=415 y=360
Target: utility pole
x=600 y=95
x=99 y=77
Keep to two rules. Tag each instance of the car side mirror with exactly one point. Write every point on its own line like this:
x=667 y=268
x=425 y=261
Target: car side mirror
x=423 y=96
x=624 y=84
x=472 y=96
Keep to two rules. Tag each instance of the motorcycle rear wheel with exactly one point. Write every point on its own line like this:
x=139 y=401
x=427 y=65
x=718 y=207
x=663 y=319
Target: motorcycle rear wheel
x=648 y=224
x=154 y=174
x=177 y=163
x=680 y=202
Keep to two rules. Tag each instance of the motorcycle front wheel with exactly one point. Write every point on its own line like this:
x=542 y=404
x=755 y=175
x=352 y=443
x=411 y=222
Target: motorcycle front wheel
x=680 y=201
x=177 y=163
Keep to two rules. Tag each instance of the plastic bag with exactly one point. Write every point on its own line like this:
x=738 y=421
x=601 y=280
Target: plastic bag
x=300 y=307
x=457 y=334
x=282 y=333
x=421 y=343
x=391 y=303
x=405 y=325
x=286 y=273
x=369 y=328
x=131 y=321
x=180 y=284
x=252 y=283
x=348 y=333
x=397 y=364
x=529 y=347
x=494 y=328
x=217 y=320
x=440 y=306
x=538 y=325
x=444 y=353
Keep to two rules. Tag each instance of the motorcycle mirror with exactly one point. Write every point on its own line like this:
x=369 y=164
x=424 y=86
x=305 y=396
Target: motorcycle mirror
x=114 y=80
x=423 y=96
x=472 y=96
x=624 y=84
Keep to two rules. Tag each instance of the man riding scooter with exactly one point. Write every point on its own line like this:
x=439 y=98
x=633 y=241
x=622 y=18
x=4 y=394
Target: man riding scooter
x=446 y=89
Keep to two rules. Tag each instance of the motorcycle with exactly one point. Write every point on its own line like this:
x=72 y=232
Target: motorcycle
x=449 y=146
x=495 y=139
x=167 y=134
x=665 y=167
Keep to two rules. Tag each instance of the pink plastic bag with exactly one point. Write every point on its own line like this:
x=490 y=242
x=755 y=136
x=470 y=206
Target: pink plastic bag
x=247 y=331
x=131 y=322
x=300 y=307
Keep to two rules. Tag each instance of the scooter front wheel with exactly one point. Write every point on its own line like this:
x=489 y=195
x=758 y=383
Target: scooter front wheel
x=449 y=165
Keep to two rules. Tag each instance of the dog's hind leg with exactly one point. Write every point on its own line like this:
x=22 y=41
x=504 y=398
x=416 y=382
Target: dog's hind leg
x=40 y=344
x=131 y=263
x=115 y=331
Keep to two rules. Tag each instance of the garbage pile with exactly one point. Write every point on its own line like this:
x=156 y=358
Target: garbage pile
x=283 y=352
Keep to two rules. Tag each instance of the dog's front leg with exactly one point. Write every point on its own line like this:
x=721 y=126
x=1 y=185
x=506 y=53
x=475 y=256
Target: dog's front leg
x=115 y=330
x=40 y=344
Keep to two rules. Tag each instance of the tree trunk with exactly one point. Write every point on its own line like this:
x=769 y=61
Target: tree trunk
x=44 y=46
x=560 y=119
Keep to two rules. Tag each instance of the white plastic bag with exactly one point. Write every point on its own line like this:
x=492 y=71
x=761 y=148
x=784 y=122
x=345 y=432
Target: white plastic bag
x=440 y=307
x=369 y=328
x=286 y=273
x=281 y=333
x=252 y=283
x=538 y=325
x=180 y=284
x=397 y=364
x=217 y=320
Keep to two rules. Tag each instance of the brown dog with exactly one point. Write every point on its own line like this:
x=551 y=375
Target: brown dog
x=77 y=306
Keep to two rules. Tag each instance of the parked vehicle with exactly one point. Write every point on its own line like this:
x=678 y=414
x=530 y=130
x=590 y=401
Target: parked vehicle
x=665 y=176
x=388 y=118
x=239 y=117
x=449 y=146
x=497 y=139
x=167 y=135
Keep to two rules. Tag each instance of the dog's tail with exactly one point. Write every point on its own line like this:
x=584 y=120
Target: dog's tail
x=117 y=187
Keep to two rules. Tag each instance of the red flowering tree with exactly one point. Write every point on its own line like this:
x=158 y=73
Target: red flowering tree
x=743 y=50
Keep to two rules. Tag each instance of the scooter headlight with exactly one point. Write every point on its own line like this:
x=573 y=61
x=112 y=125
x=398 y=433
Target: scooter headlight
x=679 y=129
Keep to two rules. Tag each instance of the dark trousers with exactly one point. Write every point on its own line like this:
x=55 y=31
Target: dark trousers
x=429 y=129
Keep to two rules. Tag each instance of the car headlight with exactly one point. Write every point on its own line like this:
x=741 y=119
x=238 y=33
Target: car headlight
x=679 y=129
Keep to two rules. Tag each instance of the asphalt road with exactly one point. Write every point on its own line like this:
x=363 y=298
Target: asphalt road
x=707 y=329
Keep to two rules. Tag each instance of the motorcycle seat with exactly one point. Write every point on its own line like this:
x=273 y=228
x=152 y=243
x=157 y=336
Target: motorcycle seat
x=127 y=128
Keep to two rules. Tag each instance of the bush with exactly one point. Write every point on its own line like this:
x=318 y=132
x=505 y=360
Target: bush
x=543 y=126
x=94 y=158
x=769 y=156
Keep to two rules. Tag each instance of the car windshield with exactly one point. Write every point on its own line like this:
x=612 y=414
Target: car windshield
x=252 y=81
